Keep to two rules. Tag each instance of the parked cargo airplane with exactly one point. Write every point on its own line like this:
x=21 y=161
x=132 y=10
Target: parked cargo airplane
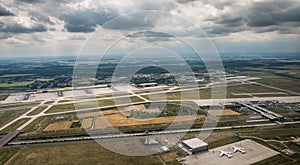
x=228 y=154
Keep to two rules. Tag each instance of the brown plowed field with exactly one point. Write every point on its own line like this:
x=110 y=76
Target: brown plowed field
x=59 y=126
x=87 y=123
x=227 y=112
x=120 y=120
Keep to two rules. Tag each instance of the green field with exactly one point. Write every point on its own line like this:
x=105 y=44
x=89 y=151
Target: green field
x=16 y=84
x=15 y=125
x=7 y=106
x=6 y=153
x=84 y=152
x=93 y=104
x=224 y=141
x=39 y=124
x=44 y=79
x=206 y=93
x=64 y=101
x=37 y=110
x=8 y=116
x=271 y=79
x=3 y=96
x=61 y=108
x=49 y=102
x=15 y=75
x=274 y=133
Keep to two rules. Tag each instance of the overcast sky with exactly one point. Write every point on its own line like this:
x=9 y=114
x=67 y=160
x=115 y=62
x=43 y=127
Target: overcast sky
x=52 y=27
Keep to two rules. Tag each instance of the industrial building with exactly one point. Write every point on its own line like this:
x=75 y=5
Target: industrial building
x=144 y=85
x=272 y=116
x=195 y=145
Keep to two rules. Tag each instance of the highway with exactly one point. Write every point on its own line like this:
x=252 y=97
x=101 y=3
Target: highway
x=4 y=140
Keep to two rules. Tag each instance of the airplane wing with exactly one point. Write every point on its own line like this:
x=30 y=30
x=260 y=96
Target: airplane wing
x=221 y=154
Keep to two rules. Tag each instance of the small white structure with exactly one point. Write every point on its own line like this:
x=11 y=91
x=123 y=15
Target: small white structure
x=144 y=85
x=195 y=145
x=150 y=141
x=165 y=148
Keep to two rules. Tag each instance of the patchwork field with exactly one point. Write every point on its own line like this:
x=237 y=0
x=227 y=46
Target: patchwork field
x=118 y=120
x=87 y=123
x=60 y=126
x=225 y=112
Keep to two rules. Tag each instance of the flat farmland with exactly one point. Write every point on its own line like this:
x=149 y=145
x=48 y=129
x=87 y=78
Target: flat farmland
x=93 y=104
x=206 y=93
x=3 y=96
x=271 y=79
x=37 y=110
x=119 y=120
x=59 y=126
x=84 y=152
x=87 y=123
x=97 y=113
x=39 y=124
x=8 y=116
x=101 y=122
x=15 y=125
x=16 y=84
x=226 y=112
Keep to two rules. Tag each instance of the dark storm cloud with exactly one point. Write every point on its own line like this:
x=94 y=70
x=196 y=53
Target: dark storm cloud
x=130 y=22
x=4 y=36
x=223 y=30
x=31 y=1
x=5 y=12
x=150 y=34
x=230 y=21
x=77 y=38
x=288 y=28
x=18 y=28
x=273 y=13
x=259 y=17
x=219 y=4
x=86 y=21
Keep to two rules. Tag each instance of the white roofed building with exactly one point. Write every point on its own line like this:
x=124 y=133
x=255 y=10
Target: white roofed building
x=195 y=145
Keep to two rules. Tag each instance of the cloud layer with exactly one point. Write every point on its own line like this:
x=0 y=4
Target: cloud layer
x=225 y=19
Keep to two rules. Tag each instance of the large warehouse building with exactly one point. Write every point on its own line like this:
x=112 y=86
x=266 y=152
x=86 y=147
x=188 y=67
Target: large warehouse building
x=195 y=145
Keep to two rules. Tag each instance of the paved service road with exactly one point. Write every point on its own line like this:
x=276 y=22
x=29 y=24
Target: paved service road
x=4 y=140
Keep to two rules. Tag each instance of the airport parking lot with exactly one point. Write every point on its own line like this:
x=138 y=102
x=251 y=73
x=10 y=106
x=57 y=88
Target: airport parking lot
x=255 y=153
